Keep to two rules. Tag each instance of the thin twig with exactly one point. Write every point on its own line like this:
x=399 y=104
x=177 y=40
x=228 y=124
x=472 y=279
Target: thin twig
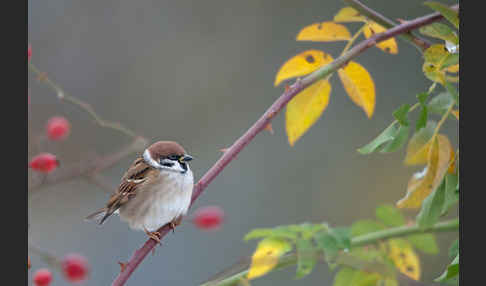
x=62 y=95
x=88 y=167
x=265 y=119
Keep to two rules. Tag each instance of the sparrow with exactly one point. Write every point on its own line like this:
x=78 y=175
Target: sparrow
x=155 y=190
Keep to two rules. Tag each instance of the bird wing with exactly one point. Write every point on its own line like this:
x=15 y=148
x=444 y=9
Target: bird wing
x=134 y=177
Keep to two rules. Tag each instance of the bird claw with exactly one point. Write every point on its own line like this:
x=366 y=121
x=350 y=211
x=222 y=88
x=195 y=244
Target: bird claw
x=155 y=235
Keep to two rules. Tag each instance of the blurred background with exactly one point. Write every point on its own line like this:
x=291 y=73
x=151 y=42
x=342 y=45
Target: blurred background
x=201 y=73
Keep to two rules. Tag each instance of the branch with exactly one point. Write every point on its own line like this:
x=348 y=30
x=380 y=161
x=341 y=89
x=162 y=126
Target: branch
x=62 y=95
x=361 y=240
x=88 y=167
x=265 y=119
x=419 y=43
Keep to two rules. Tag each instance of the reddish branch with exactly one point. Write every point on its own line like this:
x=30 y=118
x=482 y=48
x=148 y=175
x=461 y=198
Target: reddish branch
x=265 y=119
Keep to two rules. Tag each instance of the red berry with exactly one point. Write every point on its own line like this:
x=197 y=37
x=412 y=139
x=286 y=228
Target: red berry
x=208 y=218
x=42 y=277
x=29 y=52
x=58 y=128
x=75 y=267
x=44 y=162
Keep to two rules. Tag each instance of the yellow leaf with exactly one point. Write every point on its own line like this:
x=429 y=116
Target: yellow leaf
x=455 y=113
x=418 y=146
x=405 y=258
x=302 y=64
x=452 y=165
x=266 y=256
x=434 y=73
x=324 y=32
x=423 y=183
x=436 y=54
x=305 y=108
x=453 y=68
x=389 y=46
x=359 y=86
x=349 y=14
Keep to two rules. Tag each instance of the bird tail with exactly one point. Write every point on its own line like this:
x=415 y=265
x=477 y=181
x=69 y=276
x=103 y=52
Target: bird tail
x=98 y=216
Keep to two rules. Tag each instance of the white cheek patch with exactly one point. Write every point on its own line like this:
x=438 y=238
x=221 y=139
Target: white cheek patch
x=176 y=168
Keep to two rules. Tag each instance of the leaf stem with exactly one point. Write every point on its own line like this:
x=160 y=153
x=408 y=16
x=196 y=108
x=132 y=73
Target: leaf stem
x=442 y=120
x=351 y=41
x=366 y=239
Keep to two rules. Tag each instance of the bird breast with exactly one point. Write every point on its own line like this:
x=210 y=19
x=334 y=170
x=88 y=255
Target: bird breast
x=159 y=203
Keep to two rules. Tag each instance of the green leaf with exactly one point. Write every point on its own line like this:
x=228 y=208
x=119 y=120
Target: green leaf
x=401 y=113
x=422 y=97
x=389 y=215
x=308 y=230
x=453 y=91
x=431 y=207
x=365 y=226
x=397 y=142
x=451 y=192
x=329 y=246
x=451 y=15
x=348 y=276
x=451 y=271
x=278 y=232
x=388 y=134
x=424 y=242
x=440 y=103
x=450 y=60
x=306 y=259
x=454 y=249
x=333 y=241
x=440 y=31
x=422 y=120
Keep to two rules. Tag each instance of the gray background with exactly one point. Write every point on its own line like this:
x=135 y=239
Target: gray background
x=200 y=73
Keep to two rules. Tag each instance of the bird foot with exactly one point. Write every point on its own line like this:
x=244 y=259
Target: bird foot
x=175 y=222
x=155 y=235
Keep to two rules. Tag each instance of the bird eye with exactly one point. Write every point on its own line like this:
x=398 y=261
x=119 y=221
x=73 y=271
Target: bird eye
x=173 y=157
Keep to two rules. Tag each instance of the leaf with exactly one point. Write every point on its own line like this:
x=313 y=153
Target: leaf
x=389 y=215
x=333 y=241
x=451 y=15
x=398 y=141
x=324 y=32
x=365 y=226
x=451 y=196
x=388 y=134
x=437 y=60
x=359 y=86
x=451 y=271
x=418 y=145
x=436 y=54
x=266 y=256
x=440 y=31
x=453 y=91
x=422 y=120
x=424 y=242
x=422 y=97
x=349 y=14
x=277 y=232
x=306 y=260
x=454 y=249
x=302 y=64
x=348 y=276
x=453 y=68
x=455 y=113
x=404 y=258
x=372 y=28
x=305 y=108
x=440 y=103
x=423 y=184
x=431 y=208
x=401 y=113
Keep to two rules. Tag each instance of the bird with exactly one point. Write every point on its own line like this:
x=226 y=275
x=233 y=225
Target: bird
x=155 y=190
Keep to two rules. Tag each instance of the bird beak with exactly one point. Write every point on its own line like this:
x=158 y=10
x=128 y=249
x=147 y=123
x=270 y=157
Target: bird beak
x=185 y=158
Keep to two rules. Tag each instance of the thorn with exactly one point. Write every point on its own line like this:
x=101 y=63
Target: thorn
x=401 y=21
x=123 y=265
x=269 y=128
x=271 y=114
x=42 y=76
x=223 y=150
x=287 y=88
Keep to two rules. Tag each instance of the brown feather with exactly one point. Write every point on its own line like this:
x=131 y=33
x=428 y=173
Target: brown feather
x=136 y=175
